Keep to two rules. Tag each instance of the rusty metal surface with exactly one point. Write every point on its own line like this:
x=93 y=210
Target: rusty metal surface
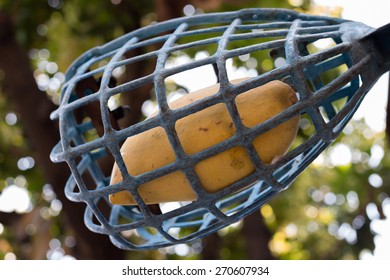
x=137 y=227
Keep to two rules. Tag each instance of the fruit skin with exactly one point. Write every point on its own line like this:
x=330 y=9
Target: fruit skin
x=151 y=149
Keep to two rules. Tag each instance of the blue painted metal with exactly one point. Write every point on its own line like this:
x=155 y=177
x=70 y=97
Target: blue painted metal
x=356 y=48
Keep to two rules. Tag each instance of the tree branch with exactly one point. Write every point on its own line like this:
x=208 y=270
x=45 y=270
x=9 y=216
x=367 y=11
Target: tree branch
x=257 y=237
x=42 y=134
x=8 y=219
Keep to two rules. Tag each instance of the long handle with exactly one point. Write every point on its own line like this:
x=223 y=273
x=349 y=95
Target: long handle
x=380 y=39
x=388 y=111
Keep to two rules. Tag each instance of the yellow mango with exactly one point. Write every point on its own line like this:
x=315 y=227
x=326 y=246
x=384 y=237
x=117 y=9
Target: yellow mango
x=151 y=149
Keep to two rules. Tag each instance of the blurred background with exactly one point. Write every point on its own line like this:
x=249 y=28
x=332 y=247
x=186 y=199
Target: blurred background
x=339 y=208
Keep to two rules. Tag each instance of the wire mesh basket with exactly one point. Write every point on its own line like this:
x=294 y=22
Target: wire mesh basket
x=331 y=83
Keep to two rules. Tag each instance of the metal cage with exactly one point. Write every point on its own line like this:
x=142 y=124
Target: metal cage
x=90 y=138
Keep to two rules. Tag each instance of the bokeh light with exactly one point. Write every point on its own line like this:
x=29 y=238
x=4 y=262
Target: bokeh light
x=15 y=198
x=11 y=118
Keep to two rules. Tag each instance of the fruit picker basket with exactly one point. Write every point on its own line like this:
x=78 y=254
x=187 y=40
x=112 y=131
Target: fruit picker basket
x=143 y=200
